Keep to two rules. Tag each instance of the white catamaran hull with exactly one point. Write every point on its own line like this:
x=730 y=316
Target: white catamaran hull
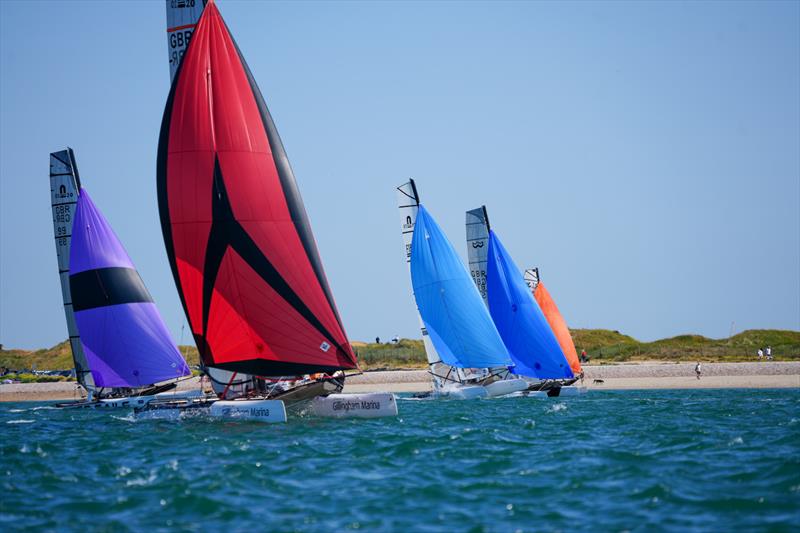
x=133 y=402
x=269 y=411
x=125 y=402
x=505 y=386
x=368 y=405
x=463 y=392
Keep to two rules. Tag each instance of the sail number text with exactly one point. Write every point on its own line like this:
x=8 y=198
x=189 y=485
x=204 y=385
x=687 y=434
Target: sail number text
x=178 y=41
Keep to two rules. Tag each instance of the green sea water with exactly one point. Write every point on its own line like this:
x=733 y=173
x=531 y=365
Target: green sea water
x=702 y=460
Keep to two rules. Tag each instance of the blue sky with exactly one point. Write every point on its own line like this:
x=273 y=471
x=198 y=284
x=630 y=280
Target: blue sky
x=646 y=156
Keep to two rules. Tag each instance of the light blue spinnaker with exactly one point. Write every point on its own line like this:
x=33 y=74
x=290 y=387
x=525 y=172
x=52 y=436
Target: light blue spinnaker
x=521 y=323
x=453 y=311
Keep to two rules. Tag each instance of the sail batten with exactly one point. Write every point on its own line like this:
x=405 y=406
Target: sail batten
x=237 y=234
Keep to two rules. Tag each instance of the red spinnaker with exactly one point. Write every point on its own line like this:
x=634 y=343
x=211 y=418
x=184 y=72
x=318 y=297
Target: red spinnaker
x=558 y=325
x=236 y=231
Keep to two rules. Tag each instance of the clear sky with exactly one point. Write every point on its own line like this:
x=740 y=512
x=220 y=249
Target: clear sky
x=646 y=156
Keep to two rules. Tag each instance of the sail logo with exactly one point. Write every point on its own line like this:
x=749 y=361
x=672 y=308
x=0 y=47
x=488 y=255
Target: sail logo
x=477 y=244
x=324 y=346
x=62 y=192
x=355 y=405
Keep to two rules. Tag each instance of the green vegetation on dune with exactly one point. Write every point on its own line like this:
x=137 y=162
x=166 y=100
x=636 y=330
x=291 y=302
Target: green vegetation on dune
x=407 y=353
x=59 y=357
x=602 y=346
x=741 y=347
x=606 y=346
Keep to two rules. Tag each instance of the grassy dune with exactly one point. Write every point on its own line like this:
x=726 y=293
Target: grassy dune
x=602 y=345
x=605 y=346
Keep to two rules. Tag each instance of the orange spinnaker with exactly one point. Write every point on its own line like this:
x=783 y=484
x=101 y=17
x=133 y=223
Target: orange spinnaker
x=559 y=327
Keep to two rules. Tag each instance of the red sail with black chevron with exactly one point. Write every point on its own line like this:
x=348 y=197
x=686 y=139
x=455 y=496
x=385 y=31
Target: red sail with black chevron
x=236 y=231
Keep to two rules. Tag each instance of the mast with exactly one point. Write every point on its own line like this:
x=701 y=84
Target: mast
x=64 y=187
x=477 y=226
x=408 y=203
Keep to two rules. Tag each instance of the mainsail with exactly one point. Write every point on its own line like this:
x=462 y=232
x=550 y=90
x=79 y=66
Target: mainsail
x=451 y=308
x=236 y=231
x=64 y=185
x=182 y=17
x=123 y=337
x=477 y=225
x=519 y=320
x=554 y=318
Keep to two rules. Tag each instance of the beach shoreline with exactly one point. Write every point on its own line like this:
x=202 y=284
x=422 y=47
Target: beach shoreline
x=759 y=375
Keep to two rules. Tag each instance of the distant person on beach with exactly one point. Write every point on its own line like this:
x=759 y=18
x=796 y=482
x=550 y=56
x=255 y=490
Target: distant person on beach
x=760 y=353
x=769 y=353
x=581 y=375
x=584 y=357
x=697 y=369
x=377 y=340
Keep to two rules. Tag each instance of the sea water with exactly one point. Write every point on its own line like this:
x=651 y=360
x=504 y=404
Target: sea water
x=697 y=460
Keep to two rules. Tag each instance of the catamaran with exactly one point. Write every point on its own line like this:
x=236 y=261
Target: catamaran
x=461 y=343
x=239 y=241
x=530 y=339
x=122 y=351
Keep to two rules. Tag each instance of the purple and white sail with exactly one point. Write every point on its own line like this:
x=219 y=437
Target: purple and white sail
x=122 y=334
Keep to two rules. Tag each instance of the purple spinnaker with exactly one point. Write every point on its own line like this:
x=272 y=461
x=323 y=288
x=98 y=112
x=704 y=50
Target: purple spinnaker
x=126 y=344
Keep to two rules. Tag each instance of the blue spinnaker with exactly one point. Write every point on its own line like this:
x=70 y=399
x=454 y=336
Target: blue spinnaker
x=521 y=323
x=453 y=311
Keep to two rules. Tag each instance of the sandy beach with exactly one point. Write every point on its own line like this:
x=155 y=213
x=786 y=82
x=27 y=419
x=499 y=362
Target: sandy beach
x=605 y=377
